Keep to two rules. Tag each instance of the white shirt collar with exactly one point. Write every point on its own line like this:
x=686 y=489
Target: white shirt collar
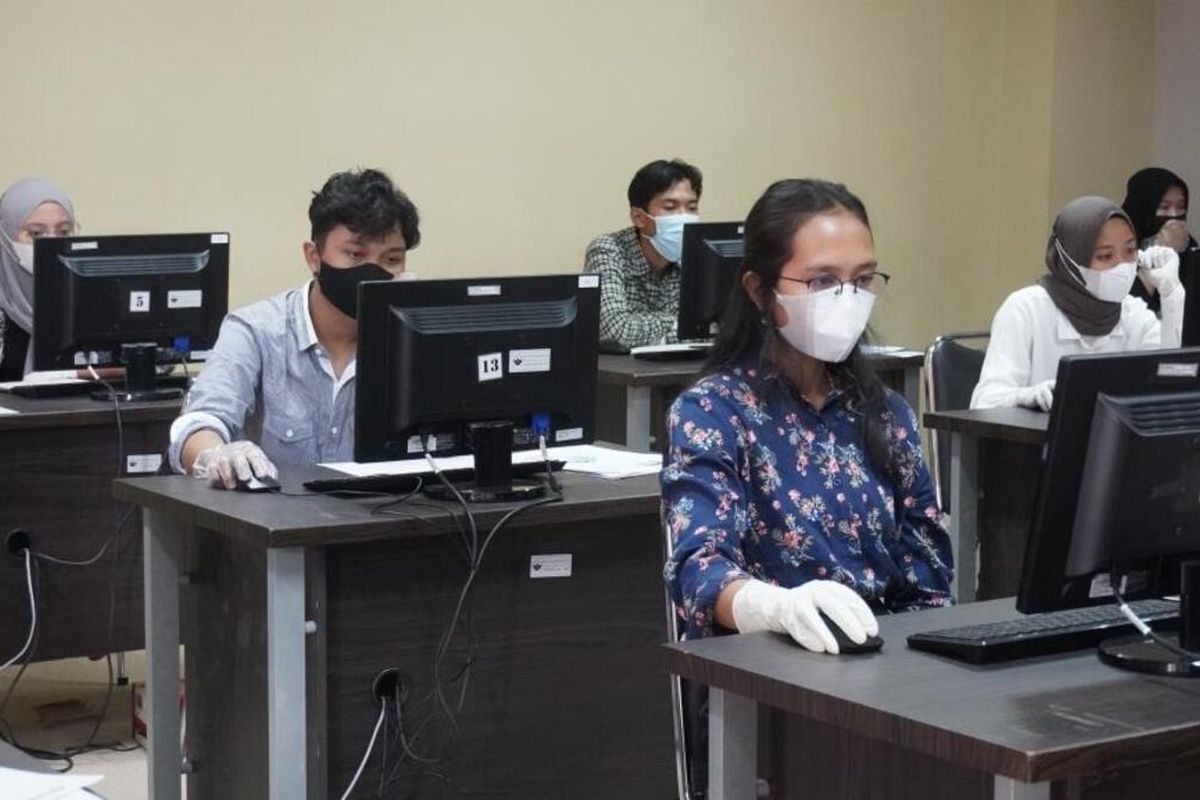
x=310 y=331
x=1067 y=332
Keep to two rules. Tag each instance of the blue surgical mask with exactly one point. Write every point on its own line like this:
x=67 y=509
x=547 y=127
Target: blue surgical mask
x=668 y=235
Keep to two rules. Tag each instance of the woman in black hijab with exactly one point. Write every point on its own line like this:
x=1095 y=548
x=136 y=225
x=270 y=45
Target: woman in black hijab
x=1156 y=201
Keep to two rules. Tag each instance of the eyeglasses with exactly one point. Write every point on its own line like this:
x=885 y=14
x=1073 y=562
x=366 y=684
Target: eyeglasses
x=872 y=282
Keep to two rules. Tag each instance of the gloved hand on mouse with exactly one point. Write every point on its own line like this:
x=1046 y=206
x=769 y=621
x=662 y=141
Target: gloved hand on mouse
x=760 y=606
x=224 y=465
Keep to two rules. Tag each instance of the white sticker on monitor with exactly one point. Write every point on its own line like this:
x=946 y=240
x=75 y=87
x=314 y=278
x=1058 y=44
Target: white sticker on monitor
x=1168 y=369
x=550 y=565
x=1101 y=586
x=149 y=463
x=219 y=238
x=84 y=246
x=568 y=435
x=415 y=446
x=589 y=281
x=199 y=355
x=185 y=298
x=529 y=360
x=80 y=358
x=491 y=367
x=485 y=290
x=139 y=302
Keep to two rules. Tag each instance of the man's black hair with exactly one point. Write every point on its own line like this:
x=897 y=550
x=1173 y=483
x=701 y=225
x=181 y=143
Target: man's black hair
x=659 y=176
x=367 y=203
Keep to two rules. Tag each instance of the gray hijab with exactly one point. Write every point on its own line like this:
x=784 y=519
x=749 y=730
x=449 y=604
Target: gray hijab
x=1074 y=235
x=16 y=285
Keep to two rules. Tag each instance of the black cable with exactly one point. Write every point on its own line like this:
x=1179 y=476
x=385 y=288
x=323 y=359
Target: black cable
x=1150 y=633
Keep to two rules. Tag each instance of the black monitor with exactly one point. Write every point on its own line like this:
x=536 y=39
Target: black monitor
x=710 y=260
x=1120 y=490
x=476 y=366
x=127 y=300
x=1189 y=269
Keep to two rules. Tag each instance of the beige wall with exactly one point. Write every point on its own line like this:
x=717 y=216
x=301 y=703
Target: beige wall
x=1177 y=91
x=516 y=125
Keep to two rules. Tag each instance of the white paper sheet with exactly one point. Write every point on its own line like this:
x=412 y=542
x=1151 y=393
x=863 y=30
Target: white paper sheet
x=586 y=458
x=4 y=411
x=21 y=785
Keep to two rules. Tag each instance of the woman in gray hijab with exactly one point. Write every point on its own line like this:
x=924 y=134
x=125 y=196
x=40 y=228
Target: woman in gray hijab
x=29 y=209
x=1081 y=305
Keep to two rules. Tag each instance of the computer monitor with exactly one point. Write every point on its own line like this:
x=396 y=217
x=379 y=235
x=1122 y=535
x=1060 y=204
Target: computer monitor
x=711 y=257
x=1120 y=488
x=479 y=366
x=125 y=300
x=1189 y=263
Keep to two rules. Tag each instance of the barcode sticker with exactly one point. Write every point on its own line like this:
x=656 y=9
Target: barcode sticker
x=489 y=290
x=142 y=464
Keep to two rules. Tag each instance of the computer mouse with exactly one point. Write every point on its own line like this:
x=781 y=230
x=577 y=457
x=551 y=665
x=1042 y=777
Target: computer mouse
x=845 y=645
x=257 y=484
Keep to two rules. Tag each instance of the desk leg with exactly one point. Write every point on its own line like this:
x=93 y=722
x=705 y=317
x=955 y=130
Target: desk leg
x=732 y=746
x=162 y=562
x=1009 y=789
x=637 y=418
x=286 y=721
x=964 y=512
x=912 y=388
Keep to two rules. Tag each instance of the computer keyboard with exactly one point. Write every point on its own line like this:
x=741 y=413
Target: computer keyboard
x=52 y=389
x=402 y=484
x=1043 y=634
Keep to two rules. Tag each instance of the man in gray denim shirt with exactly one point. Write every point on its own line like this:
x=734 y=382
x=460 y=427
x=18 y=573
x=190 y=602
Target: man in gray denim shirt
x=278 y=387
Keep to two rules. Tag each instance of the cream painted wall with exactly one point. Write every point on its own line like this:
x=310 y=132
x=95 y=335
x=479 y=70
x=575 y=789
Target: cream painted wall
x=516 y=125
x=1177 y=90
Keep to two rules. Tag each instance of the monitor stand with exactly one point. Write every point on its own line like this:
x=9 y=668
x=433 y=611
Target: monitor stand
x=492 y=443
x=1139 y=653
x=141 y=377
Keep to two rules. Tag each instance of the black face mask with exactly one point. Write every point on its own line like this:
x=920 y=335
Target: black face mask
x=1160 y=220
x=340 y=286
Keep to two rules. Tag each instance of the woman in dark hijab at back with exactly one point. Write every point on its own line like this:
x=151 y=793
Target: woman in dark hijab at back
x=1156 y=201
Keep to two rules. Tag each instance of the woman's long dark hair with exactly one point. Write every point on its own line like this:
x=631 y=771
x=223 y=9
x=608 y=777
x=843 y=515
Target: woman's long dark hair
x=769 y=230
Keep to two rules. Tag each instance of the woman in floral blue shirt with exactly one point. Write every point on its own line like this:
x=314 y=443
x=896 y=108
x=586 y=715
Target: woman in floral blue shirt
x=795 y=483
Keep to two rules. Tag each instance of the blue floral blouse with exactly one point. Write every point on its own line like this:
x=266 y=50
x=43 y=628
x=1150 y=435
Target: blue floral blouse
x=759 y=484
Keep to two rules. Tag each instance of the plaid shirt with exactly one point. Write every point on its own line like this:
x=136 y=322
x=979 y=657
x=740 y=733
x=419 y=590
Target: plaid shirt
x=638 y=306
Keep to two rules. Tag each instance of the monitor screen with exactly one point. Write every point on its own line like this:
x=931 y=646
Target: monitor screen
x=712 y=256
x=94 y=293
x=1116 y=469
x=436 y=356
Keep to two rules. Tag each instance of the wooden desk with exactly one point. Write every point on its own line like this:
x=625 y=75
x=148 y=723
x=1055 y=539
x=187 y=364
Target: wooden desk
x=58 y=458
x=969 y=431
x=566 y=700
x=901 y=723
x=633 y=394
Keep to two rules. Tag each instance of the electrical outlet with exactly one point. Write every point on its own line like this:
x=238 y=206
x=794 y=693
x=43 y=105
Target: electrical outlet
x=17 y=542
x=389 y=683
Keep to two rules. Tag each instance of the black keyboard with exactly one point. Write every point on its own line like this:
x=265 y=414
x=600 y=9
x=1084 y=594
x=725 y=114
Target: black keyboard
x=43 y=391
x=403 y=484
x=1043 y=634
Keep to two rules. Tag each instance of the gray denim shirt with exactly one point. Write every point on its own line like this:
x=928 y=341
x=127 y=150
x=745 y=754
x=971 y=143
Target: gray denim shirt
x=269 y=380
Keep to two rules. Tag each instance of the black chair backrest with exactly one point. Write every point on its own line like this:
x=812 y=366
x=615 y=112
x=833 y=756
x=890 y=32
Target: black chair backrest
x=952 y=369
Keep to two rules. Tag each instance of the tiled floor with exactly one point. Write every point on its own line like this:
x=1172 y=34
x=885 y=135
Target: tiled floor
x=54 y=706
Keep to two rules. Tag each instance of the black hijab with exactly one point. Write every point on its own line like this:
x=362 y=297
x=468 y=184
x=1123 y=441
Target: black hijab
x=1143 y=192
x=1072 y=241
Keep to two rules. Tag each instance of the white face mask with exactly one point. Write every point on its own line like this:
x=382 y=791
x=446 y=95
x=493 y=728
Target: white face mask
x=1111 y=285
x=668 y=235
x=828 y=324
x=24 y=251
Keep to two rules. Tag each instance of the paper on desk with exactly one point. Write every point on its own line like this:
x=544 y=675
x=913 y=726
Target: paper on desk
x=4 y=411
x=587 y=458
x=21 y=785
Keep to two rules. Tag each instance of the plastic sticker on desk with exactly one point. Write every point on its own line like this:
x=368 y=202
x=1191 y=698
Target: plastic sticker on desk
x=529 y=360
x=143 y=464
x=555 y=565
x=185 y=298
x=491 y=367
x=1168 y=369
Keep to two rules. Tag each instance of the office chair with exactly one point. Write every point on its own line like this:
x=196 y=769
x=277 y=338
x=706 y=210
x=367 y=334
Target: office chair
x=951 y=372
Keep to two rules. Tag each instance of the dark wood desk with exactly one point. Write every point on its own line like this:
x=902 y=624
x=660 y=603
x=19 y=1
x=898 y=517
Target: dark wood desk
x=1013 y=438
x=566 y=699
x=633 y=394
x=58 y=458
x=901 y=723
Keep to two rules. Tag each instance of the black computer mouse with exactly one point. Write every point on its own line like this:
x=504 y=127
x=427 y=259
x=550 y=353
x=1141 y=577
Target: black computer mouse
x=845 y=645
x=257 y=484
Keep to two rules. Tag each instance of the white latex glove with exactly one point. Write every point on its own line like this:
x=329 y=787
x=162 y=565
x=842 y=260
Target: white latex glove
x=1173 y=234
x=225 y=464
x=1159 y=268
x=760 y=606
x=1040 y=395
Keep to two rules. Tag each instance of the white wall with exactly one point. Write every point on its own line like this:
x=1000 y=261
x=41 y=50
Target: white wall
x=1177 y=90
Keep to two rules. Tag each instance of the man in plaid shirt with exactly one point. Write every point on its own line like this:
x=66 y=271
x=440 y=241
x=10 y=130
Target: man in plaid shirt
x=639 y=265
